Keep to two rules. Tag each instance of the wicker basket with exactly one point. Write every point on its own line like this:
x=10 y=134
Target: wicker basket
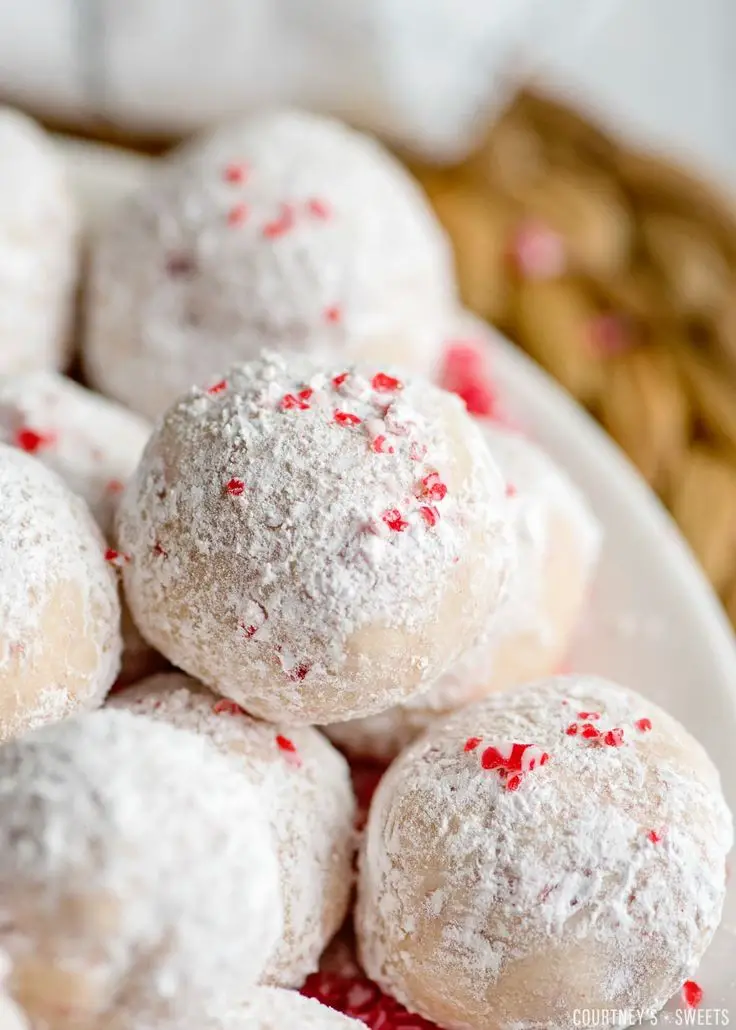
x=617 y=272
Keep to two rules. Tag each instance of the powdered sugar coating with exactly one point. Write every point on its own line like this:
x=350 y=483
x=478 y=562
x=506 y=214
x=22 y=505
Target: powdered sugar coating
x=38 y=248
x=558 y=543
x=304 y=787
x=285 y=230
x=11 y=1018
x=59 y=609
x=91 y=442
x=315 y=544
x=138 y=875
x=269 y=1008
x=481 y=904
x=94 y=445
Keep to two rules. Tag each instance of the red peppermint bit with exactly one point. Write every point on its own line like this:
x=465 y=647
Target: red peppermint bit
x=480 y=399
x=614 y=738
x=158 y=549
x=491 y=759
x=692 y=994
x=545 y=892
x=465 y=373
x=643 y=725
x=217 y=387
x=333 y=314
x=345 y=418
x=394 y=521
x=381 y=445
x=117 y=558
x=236 y=487
x=237 y=172
x=430 y=515
x=386 y=384
x=226 y=707
x=237 y=215
x=281 y=225
x=513 y=761
x=463 y=359
x=589 y=715
x=511 y=490
x=654 y=836
x=361 y=999
x=472 y=743
x=433 y=487
x=589 y=731
x=305 y=395
x=285 y=744
x=180 y=265
x=538 y=251
x=298 y=672
x=290 y=402
x=417 y=452
x=572 y=729
x=114 y=486
x=610 y=334
x=31 y=441
x=319 y=208
x=337 y=381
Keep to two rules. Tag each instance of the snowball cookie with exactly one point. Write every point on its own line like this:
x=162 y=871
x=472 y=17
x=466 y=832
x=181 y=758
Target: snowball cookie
x=93 y=443
x=286 y=230
x=269 y=1008
x=59 y=609
x=315 y=545
x=560 y=847
x=138 y=875
x=303 y=785
x=38 y=248
x=558 y=542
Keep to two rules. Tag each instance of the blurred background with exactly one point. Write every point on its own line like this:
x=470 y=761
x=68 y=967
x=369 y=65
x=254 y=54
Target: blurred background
x=582 y=156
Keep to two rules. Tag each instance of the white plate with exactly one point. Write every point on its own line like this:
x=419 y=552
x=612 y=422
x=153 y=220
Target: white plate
x=654 y=623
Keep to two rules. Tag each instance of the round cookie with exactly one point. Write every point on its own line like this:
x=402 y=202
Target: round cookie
x=59 y=608
x=91 y=442
x=557 y=848
x=270 y=1008
x=138 y=875
x=286 y=230
x=315 y=545
x=304 y=786
x=558 y=542
x=38 y=248
x=94 y=445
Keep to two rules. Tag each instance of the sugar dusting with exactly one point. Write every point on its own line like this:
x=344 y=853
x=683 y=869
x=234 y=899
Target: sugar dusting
x=543 y=498
x=325 y=244
x=269 y=1008
x=271 y=596
x=91 y=442
x=304 y=787
x=563 y=862
x=51 y=547
x=159 y=829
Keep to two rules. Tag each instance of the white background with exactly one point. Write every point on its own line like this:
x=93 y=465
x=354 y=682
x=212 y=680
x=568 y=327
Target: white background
x=663 y=72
